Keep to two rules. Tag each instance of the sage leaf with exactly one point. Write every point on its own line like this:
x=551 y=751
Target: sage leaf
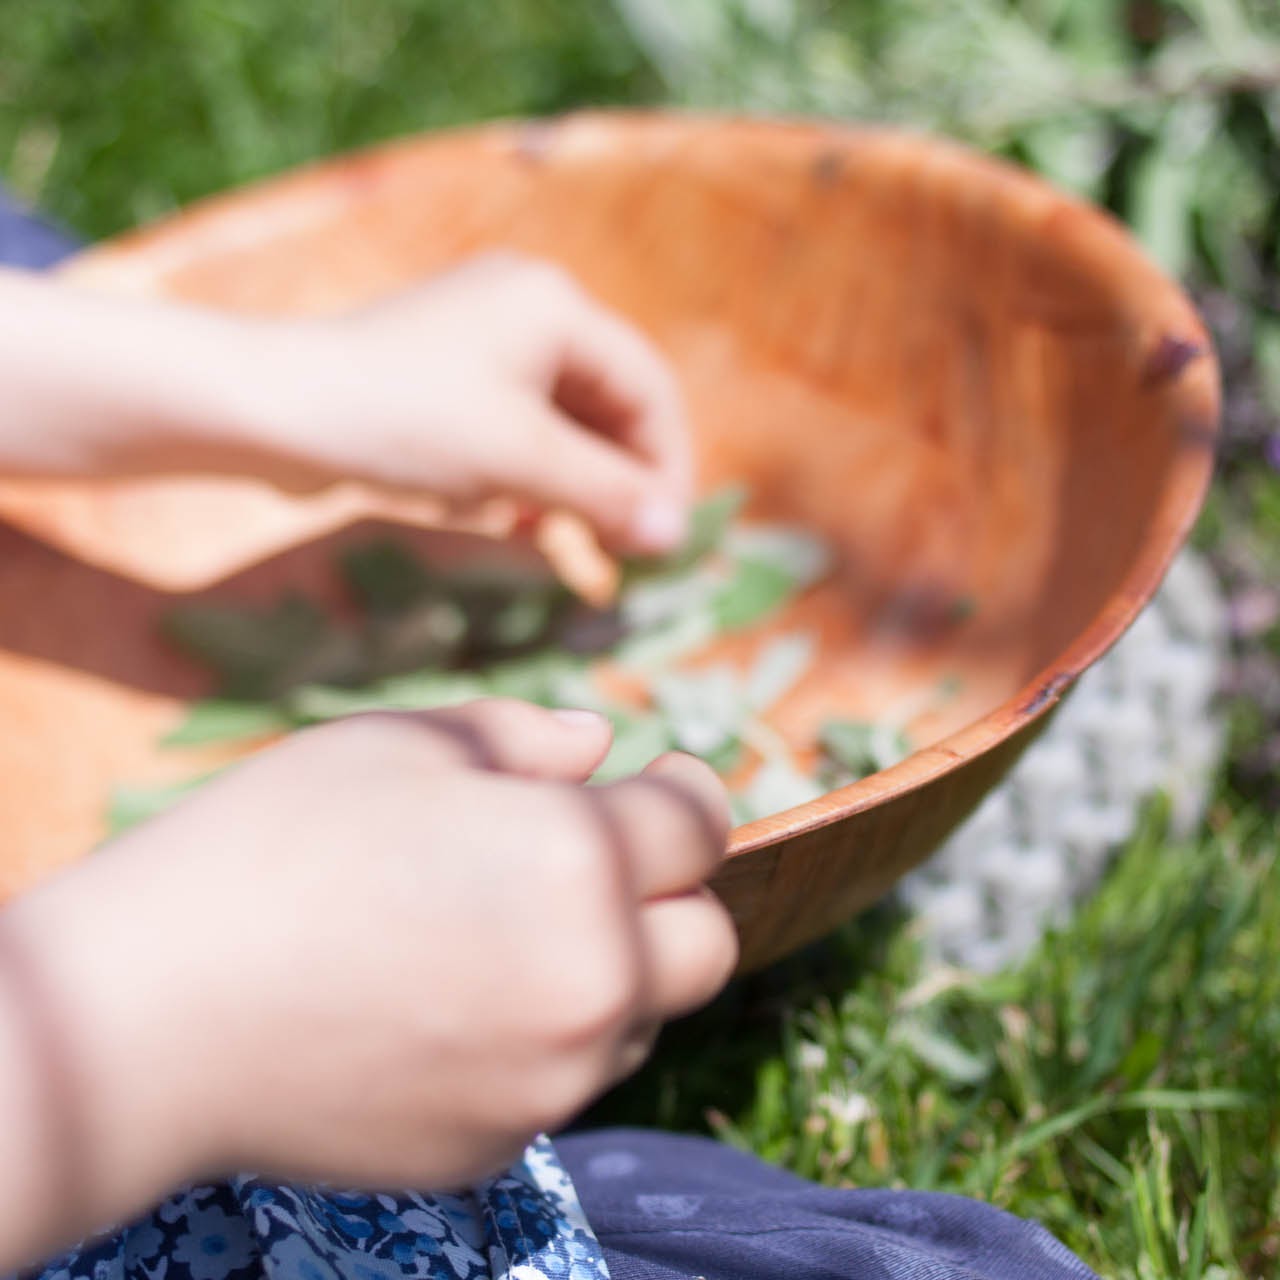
x=259 y=653
x=385 y=576
x=421 y=691
x=862 y=747
x=756 y=590
x=654 y=601
x=214 y=720
x=777 y=786
x=705 y=709
x=803 y=557
x=130 y=805
x=637 y=741
x=662 y=646
x=778 y=668
x=709 y=521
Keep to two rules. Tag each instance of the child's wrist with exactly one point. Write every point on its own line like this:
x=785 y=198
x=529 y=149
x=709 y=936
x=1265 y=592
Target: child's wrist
x=110 y=1017
x=35 y=1168
x=254 y=412
x=231 y=400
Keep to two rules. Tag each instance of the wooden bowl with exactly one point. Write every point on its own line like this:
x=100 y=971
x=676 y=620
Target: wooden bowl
x=997 y=410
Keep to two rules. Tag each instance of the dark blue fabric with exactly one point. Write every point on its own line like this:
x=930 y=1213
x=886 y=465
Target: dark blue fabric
x=26 y=240
x=668 y=1207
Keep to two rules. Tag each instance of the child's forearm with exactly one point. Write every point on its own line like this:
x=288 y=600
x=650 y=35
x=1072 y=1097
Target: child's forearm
x=101 y=1096
x=96 y=385
x=44 y=1196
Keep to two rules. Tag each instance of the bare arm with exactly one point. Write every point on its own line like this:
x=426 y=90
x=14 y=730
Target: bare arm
x=96 y=385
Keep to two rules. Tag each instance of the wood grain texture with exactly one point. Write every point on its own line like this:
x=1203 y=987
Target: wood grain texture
x=997 y=410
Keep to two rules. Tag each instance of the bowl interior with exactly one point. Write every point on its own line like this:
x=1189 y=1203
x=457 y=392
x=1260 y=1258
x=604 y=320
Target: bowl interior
x=998 y=414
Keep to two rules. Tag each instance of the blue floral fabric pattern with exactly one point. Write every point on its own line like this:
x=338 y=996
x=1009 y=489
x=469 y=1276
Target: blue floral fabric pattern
x=525 y=1225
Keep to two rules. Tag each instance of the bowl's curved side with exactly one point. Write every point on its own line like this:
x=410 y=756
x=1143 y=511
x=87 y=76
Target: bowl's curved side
x=847 y=848
x=793 y=890
x=1085 y=270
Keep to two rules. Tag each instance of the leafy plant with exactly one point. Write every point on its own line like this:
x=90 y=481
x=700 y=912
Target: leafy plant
x=424 y=639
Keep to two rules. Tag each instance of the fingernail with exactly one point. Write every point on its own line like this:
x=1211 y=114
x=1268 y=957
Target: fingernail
x=659 y=525
x=578 y=717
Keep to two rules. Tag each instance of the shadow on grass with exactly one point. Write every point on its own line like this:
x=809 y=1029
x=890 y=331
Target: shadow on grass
x=708 y=1062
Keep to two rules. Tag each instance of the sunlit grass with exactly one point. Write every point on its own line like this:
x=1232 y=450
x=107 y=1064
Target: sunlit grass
x=1120 y=1086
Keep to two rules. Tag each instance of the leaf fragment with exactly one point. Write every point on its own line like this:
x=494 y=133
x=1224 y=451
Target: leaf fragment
x=214 y=720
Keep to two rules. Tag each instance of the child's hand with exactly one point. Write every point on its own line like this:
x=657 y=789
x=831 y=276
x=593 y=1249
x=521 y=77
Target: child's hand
x=499 y=377
x=388 y=951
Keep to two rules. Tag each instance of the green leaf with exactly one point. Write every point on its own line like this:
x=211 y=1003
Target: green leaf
x=776 y=787
x=660 y=647
x=524 y=620
x=726 y=758
x=851 y=744
x=259 y=653
x=756 y=590
x=705 y=709
x=535 y=678
x=637 y=741
x=507 y=611
x=1162 y=196
x=1199 y=1235
x=1142 y=1058
x=778 y=667
x=430 y=633
x=221 y=720
x=1070 y=153
x=708 y=523
x=656 y=600
x=385 y=576
x=130 y=805
x=420 y=691
x=803 y=556
x=1266 y=354
x=949 y=1059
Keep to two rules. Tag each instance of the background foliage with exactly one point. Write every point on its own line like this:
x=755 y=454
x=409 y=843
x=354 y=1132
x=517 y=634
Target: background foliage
x=1121 y=1086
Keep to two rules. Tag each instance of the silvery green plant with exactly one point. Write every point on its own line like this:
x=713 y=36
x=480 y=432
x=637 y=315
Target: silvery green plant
x=423 y=640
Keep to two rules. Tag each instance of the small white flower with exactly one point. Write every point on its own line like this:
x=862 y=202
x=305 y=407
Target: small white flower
x=812 y=1057
x=848 y=1108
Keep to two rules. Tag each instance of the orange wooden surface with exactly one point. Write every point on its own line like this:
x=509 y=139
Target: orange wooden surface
x=977 y=389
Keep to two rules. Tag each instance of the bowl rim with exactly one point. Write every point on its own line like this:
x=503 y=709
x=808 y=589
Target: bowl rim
x=1180 y=360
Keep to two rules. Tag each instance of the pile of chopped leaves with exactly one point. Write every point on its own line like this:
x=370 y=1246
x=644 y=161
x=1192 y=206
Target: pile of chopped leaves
x=424 y=638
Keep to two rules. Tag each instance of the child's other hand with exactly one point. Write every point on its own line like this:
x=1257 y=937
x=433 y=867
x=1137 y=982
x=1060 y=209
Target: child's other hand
x=388 y=951
x=501 y=376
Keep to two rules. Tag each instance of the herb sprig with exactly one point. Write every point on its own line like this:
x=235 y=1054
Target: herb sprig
x=423 y=639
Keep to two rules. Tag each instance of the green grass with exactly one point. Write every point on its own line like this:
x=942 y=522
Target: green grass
x=116 y=111
x=1121 y=1086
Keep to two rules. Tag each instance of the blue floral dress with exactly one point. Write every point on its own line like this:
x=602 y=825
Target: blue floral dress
x=525 y=1225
